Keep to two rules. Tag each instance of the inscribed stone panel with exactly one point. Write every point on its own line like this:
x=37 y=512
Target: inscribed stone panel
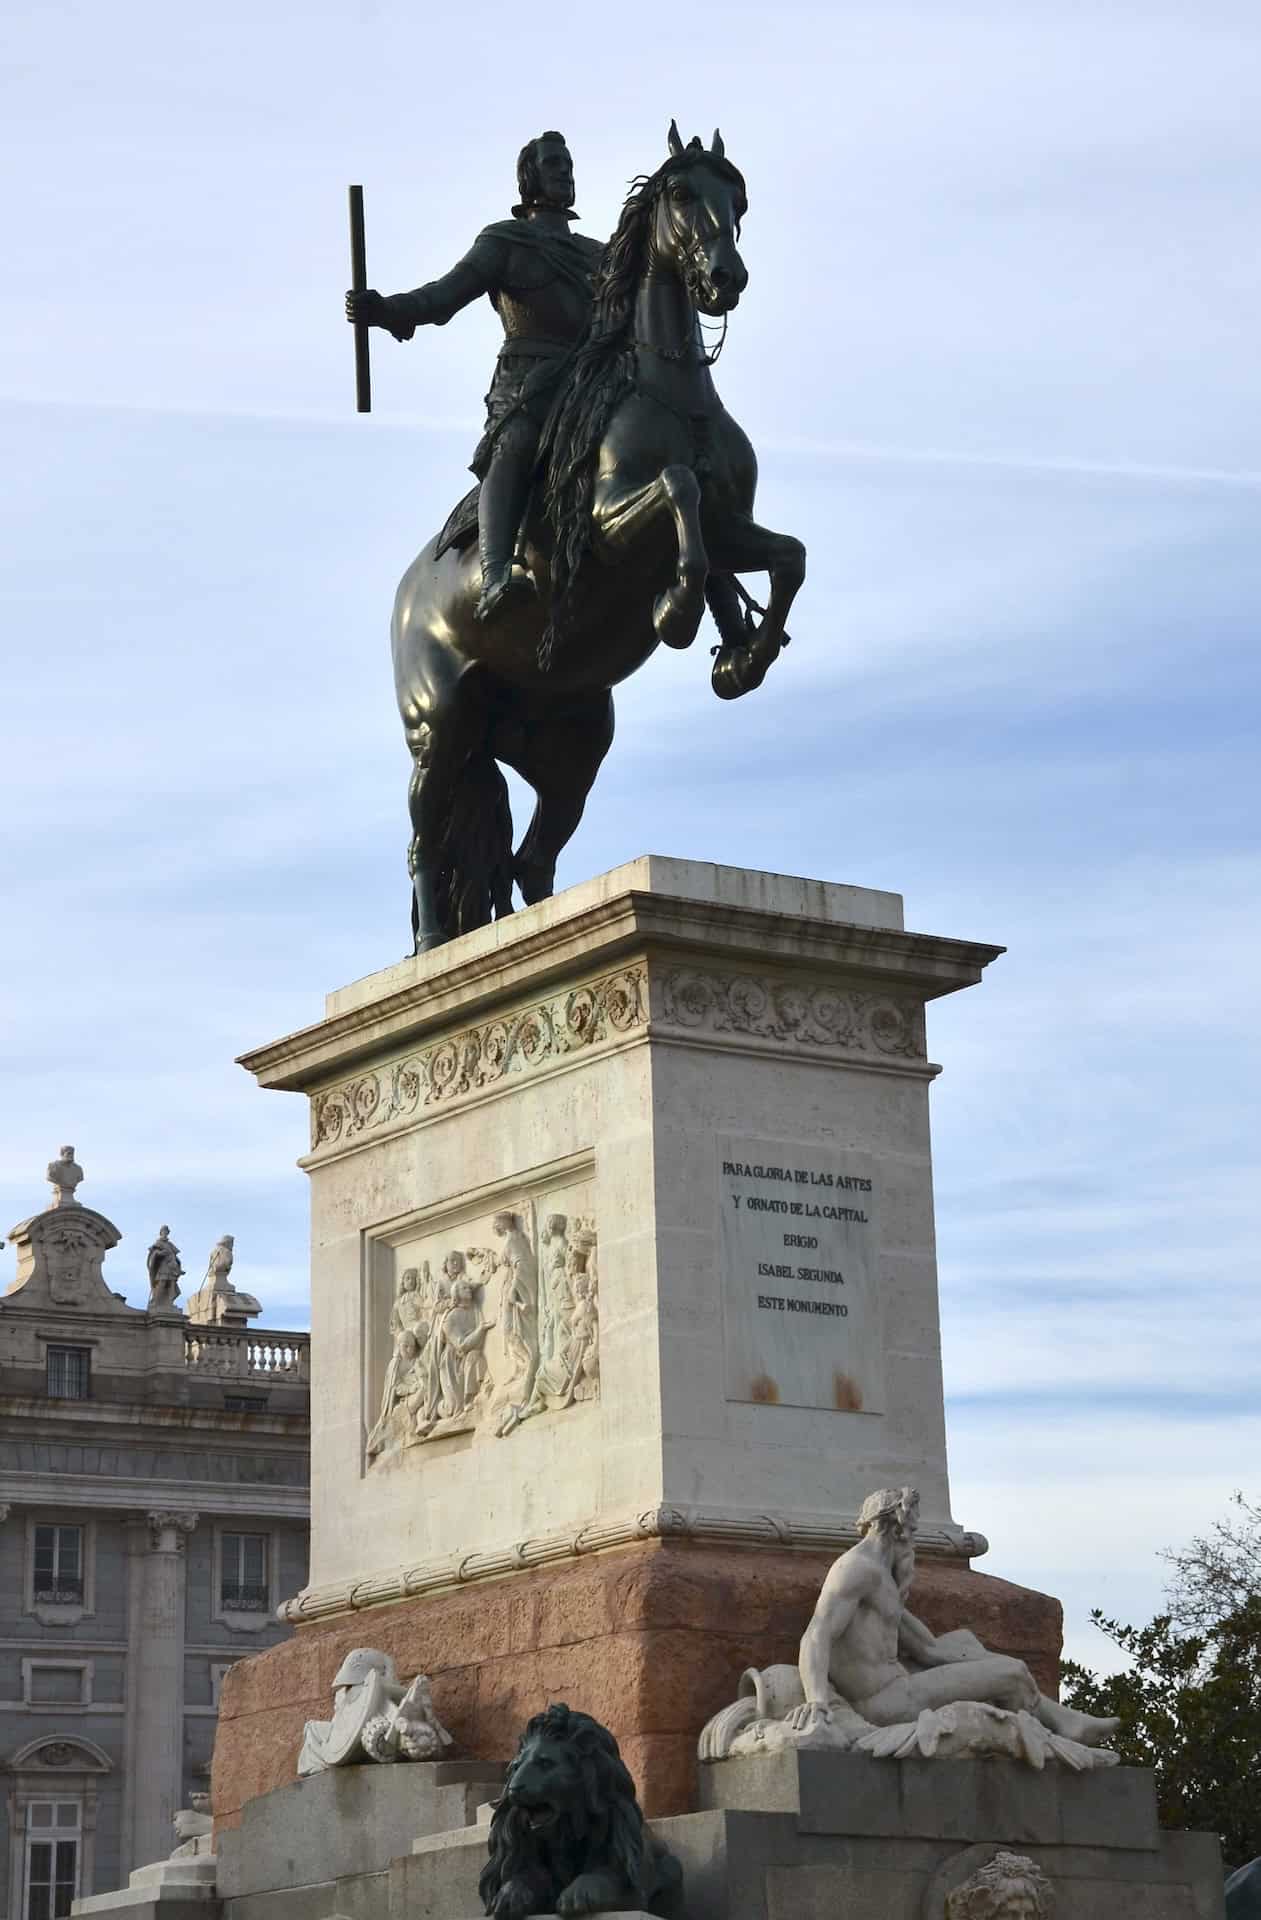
x=799 y=1239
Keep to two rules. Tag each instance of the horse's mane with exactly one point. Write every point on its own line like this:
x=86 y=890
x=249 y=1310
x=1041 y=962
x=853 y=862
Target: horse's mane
x=601 y=373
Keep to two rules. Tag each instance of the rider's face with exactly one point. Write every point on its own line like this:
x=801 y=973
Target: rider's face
x=556 y=173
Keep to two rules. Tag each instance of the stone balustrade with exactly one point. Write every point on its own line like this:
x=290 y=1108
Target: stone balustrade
x=232 y=1353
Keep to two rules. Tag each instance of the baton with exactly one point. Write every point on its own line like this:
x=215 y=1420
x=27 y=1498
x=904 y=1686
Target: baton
x=359 y=284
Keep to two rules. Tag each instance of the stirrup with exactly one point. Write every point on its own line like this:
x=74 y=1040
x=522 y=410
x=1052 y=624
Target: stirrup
x=514 y=583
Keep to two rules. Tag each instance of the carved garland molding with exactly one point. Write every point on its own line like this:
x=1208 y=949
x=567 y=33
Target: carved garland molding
x=804 y=1013
x=810 y=1014
x=658 y=1523
x=482 y=1056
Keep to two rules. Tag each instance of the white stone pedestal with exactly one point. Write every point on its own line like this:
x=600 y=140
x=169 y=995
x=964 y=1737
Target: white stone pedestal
x=716 y=1080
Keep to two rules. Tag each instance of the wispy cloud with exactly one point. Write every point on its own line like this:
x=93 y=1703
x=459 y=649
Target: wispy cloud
x=1031 y=462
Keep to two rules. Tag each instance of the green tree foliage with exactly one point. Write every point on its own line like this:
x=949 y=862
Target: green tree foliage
x=1219 y=1571
x=1190 y=1709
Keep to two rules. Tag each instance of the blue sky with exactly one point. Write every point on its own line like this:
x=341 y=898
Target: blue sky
x=998 y=355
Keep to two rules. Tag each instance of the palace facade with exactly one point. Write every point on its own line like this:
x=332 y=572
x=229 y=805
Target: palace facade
x=154 y=1506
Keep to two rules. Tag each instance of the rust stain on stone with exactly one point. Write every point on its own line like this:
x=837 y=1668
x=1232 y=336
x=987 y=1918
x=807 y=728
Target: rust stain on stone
x=764 y=1391
x=845 y=1394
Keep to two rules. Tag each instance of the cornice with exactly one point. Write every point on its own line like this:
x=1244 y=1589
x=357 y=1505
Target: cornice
x=116 y=1493
x=38 y=1417
x=637 y=926
x=828 y=1535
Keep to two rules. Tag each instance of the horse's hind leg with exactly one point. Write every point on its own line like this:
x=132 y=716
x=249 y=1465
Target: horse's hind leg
x=559 y=754
x=460 y=830
x=434 y=767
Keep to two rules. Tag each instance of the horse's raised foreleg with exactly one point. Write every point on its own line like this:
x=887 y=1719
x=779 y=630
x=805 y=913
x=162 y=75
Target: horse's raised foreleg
x=740 y=545
x=625 y=515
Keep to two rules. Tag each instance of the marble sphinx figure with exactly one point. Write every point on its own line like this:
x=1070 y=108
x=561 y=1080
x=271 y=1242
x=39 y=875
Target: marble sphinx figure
x=872 y=1677
x=615 y=505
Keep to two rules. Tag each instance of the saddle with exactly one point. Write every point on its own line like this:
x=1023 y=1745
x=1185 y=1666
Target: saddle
x=461 y=524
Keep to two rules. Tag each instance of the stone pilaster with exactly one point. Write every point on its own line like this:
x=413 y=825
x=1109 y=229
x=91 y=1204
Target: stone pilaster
x=155 y=1684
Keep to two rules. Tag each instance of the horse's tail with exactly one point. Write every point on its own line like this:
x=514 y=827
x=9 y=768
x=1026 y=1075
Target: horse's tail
x=473 y=883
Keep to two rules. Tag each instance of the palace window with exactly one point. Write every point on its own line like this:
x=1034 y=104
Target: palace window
x=68 y=1372
x=244 y=1585
x=57 y=1683
x=53 y=1840
x=58 y=1566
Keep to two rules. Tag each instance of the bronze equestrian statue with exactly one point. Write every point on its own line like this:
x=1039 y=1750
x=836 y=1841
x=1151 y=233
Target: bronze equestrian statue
x=641 y=515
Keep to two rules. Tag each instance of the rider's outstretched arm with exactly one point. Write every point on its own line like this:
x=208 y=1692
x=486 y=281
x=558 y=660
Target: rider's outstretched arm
x=479 y=272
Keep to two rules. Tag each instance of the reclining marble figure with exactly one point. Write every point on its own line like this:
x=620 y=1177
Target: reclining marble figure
x=374 y=1718
x=871 y=1677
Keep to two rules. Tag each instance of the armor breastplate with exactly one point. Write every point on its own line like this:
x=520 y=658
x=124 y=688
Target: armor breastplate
x=554 y=311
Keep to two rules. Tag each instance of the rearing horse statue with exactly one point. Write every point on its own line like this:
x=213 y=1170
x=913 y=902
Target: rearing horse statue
x=643 y=516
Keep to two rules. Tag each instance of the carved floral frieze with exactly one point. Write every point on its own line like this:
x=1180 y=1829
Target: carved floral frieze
x=482 y=1056
x=814 y=1015
x=804 y=1013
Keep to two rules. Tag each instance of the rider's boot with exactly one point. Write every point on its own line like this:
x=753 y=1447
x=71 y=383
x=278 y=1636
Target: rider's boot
x=500 y=510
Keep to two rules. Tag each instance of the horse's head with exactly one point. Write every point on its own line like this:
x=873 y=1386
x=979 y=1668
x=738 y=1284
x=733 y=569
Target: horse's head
x=698 y=203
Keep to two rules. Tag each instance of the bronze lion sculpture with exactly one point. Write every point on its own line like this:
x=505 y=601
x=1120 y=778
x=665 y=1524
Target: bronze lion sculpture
x=567 y=1835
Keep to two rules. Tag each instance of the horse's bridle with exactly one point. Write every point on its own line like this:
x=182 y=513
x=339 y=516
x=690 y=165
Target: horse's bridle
x=692 y=274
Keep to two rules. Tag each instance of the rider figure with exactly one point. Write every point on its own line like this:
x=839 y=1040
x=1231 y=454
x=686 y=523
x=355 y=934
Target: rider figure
x=538 y=276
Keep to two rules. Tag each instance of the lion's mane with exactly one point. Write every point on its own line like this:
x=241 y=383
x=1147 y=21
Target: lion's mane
x=605 y=1833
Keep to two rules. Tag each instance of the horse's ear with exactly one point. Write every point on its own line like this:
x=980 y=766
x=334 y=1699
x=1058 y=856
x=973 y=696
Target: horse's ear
x=675 y=141
x=717 y=148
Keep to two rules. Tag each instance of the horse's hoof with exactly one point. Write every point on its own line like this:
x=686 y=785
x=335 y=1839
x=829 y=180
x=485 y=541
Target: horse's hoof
x=535 y=882
x=676 y=616
x=738 y=670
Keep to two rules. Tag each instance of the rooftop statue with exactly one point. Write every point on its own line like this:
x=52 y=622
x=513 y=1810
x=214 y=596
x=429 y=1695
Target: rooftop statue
x=64 y=1175
x=217 y=1303
x=624 y=487
x=165 y=1272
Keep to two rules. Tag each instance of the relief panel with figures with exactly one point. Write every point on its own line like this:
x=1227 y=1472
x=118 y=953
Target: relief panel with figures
x=490 y=1322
